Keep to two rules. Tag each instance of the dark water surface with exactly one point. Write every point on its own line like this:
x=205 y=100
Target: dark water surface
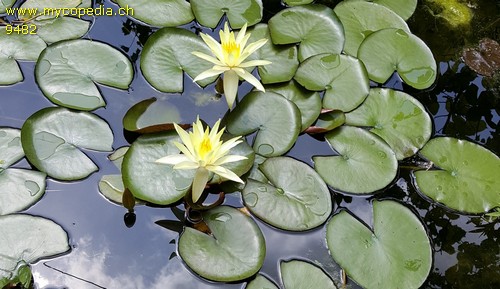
x=107 y=254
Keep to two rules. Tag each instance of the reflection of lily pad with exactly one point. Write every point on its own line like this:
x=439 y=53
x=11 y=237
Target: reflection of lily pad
x=364 y=165
x=235 y=250
x=238 y=12
x=361 y=18
x=394 y=49
x=468 y=177
x=316 y=27
x=51 y=138
x=67 y=72
x=276 y=118
x=295 y=199
x=343 y=78
x=167 y=53
x=396 y=117
x=394 y=253
x=17 y=47
x=161 y=13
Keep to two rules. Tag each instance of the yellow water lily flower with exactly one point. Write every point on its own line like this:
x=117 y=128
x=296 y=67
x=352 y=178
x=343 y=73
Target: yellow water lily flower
x=204 y=151
x=231 y=53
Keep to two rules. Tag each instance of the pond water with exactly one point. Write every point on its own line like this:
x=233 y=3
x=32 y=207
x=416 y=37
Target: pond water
x=107 y=254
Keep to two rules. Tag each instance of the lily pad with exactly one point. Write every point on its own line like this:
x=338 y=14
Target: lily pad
x=209 y=12
x=27 y=239
x=394 y=49
x=51 y=138
x=10 y=147
x=327 y=121
x=148 y=113
x=276 y=119
x=283 y=58
x=362 y=18
x=364 y=165
x=343 y=78
x=394 y=253
x=160 y=13
x=295 y=199
x=298 y=274
x=403 y=8
x=240 y=167
x=396 y=117
x=20 y=189
x=234 y=251
x=308 y=102
x=467 y=179
x=167 y=53
x=315 y=27
x=67 y=72
x=261 y=282
x=17 y=47
x=297 y=2
x=4 y=4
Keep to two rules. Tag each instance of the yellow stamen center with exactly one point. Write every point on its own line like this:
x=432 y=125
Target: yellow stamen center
x=205 y=147
x=231 y=51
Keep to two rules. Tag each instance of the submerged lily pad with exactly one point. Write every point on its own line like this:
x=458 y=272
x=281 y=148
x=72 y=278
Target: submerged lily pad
x=51 y=138
x=467 y=180
x=315 y=27
x=397 y=118
x=362 y=18
x=27 y=239
x=234 y=250
x=148 y=113
x=364 y=165
x=167 y=53
x=403 y=8
x=67 y=72
x=343 y=78
x=209 y=12
x=394 y=253
x=276 y=118
x=394 y=49
x=17 y=47
x=295 y=199
x=161 y=13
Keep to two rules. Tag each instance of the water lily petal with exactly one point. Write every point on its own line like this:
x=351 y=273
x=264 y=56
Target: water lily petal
x=199 y=182
x=189 y=154
x=184 y=138
x=241 y=34
x=225 y=173
x=230 y=86
x=207 y=74
x=249 y=77
x=187 y=165
x=172 y=159
x=229 y=159
x=254 y=63
x=252 y=47
x=208 y=58
x=213 y=45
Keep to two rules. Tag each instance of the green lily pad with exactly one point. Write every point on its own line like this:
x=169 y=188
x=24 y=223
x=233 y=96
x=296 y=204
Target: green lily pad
x=261 y=282
x=51 y=138
x=394 y=253
x=209 y=12
x=467 y=179
x=295 y=199
x=396 y=117
x=308 y=102
x=167 y=53
x=11 y=150
x=27 y=239
x=364 y=165
x=394 y=49
x=17 y=47
x=39 y=5
x=20 y=189
x=283 y=58
x=316 y=27
x=234 y=251
x=67 y=72
x=148 y=113
x=343 y=78
x=327 y=121
x=276 y=118
x=297 y=2
x=303 y=275
x=362 y=18
x=403 y=8
x=4 y=4
x=160 y=13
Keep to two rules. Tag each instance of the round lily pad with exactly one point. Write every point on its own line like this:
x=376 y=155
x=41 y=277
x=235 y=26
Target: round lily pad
x=364 y=165
x=167 y=53
x=4 y=4
x=467 y=179
x=394 y=253
x=403 y=8
x=20 y=189
x=276 y=118
x=51 y=138
x=298 y=274
x=234 y=250
x=10 y=147
x=27 y=239
x=261 y=282
x=362 y=18
x=17 y=47
x=295 y=198
x=343 y=78
x=396 y=117
x=394 y=49
x=238 y=12
x=67 y=72
x=315 y=27
x=160 y=13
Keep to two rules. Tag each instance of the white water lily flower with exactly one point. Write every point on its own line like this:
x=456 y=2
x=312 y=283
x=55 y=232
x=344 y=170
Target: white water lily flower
x=204 y=151
x=231 y=53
